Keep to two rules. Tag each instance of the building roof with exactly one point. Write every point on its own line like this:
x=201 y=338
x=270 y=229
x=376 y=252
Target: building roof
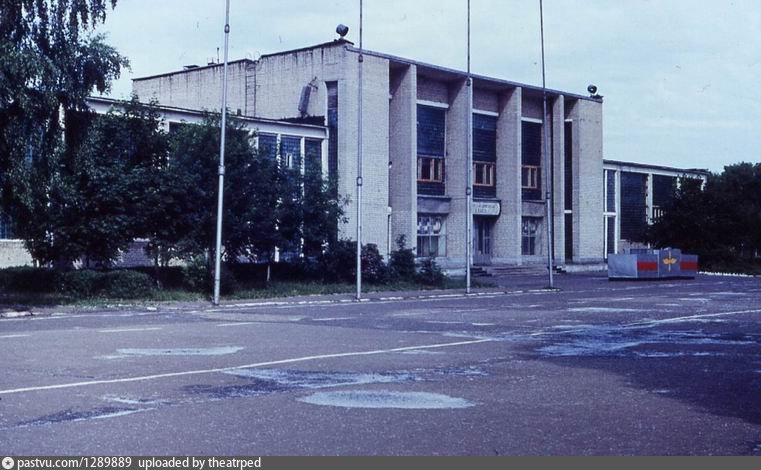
x=192 y=69
x=430 y=68
x=646 y=166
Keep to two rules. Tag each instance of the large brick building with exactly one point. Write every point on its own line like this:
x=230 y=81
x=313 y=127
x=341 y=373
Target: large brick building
x=415 y=117
x=414 y=145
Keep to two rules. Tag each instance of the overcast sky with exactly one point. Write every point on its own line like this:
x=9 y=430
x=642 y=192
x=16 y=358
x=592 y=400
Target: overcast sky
x=680 y=78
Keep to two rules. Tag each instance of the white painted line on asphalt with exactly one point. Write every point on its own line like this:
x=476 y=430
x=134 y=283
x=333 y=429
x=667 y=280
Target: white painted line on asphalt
x=692 y=317
x=245 y=366
x=333 y=319
x=14 y=336
x=128 y=330
x=240 y=323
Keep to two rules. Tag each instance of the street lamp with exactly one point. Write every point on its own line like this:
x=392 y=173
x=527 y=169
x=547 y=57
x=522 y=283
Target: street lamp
x=221 y=172
x=469 y=172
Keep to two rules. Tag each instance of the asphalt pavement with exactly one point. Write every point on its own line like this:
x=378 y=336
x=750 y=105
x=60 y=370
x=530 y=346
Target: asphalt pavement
x=599 y=368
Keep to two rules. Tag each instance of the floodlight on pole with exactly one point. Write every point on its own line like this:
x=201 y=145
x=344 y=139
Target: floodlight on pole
x=546 y=157
x=469 y=172
x=221 y=172
x=360 y=67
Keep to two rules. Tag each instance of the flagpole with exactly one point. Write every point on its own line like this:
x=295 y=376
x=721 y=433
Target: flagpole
x=359 y=155
x=469 y=173
x=221 y=172
x=546 y=157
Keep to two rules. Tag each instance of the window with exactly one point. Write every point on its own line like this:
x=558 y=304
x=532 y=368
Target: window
x=6 y=228
x=431 y=236
x=268 y=146
x=430 y=169
x=529 y=229
x=290 y=152
x=530 y=177
x=483 y=174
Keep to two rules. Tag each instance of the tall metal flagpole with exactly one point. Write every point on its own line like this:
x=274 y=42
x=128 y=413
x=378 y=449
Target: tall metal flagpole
x=469 y=173
x=220 y=197
x=546 y=157
x=359 y=158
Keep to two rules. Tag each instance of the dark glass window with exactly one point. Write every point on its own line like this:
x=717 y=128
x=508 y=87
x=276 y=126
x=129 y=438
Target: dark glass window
x=568 y=166
x=532 y=160
x=7 y=231
x=633 y=206
x=484 y=138
x=610 y=191
x=431 y=130
x=268 y=145
x=529 y=234
x=431 y=236
x=290 y=151
x=332 y=130
x=313 y=155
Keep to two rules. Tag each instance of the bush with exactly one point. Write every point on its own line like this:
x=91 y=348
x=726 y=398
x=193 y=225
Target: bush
x=126 y=285
x=87 y=284
x=339 y=262
x=402 y=262
x=374 y=270
x=430 y=273
x=27 y=280
x=198 y=276
x=78 y=284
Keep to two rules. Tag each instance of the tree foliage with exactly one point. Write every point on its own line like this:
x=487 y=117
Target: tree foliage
x=719 y=220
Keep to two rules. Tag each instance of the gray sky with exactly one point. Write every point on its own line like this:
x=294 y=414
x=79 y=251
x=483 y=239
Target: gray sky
x=679 y=77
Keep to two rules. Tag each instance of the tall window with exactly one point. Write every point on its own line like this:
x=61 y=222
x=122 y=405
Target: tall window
x=268 y=145
x=431 y=138
x=332 y=122
x=531 y=157
x=431 y=236
x=529 y=232
x=484 y=155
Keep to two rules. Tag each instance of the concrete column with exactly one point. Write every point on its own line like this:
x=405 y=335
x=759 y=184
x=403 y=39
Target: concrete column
x=456 y=158
x=507 y=230
x=403 y=155
x=558 y=178
x=588 y=228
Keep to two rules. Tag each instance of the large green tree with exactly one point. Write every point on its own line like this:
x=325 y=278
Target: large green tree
x=51 y=59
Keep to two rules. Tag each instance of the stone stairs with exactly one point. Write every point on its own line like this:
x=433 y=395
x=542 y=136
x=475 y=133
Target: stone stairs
x=508 y=270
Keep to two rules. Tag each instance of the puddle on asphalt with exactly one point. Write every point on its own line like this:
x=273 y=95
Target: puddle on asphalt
x=387 y=399
x=617 y=341
x=220 y=351
x=316 y=380
x=70 y=416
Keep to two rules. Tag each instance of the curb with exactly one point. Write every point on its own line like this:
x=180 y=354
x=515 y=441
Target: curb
x=16 y=314
x=389 y=298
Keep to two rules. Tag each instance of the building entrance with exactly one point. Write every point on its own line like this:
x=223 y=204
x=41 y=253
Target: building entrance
x=483 y=228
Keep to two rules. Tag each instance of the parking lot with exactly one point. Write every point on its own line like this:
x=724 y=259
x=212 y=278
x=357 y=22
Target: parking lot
x=597 y=368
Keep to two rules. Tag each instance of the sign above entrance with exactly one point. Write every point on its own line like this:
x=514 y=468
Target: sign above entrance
x=487 y=208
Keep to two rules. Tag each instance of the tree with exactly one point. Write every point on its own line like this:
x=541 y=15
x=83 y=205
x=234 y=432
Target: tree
x=50 y=61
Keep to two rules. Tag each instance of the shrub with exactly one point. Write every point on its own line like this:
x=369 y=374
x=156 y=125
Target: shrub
x=402 y=261
x=126 y=285
x=339 y=262
x=27 y=280
x=79 y=284
x=430 y=273
x=85 y=284
x=374 y=270
x=199 y=277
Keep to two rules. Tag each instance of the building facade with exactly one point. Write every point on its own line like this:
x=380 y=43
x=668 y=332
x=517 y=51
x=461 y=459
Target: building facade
x=298 y=142
x=634 y=196
x=415 y=149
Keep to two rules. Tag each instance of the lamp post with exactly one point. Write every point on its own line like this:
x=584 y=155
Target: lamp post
x=546 y=157
x=360 y=65
x=469 y=172
x=221 y=172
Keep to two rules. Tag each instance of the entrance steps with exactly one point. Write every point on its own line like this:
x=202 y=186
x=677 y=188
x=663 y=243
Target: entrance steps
x=508 y=270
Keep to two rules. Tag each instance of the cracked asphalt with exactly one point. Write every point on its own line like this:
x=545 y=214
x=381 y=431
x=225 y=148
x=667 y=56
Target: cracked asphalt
x=625 y=368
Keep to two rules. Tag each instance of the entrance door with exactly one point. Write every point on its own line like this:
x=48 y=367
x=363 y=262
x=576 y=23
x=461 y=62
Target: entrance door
x=482 y=236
